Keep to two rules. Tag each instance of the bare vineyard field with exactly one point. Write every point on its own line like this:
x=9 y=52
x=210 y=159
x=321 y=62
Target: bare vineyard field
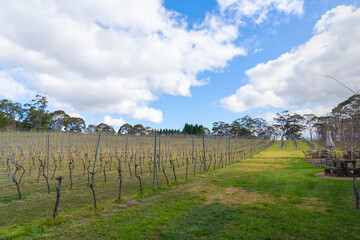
x=38 y=158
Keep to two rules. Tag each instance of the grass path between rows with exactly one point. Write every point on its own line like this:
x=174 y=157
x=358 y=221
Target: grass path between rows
x=273 y=195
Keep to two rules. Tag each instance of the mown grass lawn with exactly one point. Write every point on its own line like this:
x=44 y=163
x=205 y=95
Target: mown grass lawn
x=273 y=195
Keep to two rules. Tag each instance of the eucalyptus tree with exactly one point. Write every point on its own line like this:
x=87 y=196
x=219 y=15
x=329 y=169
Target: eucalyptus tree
x=221 y=128
x=10 y=114
x=126 y=129
x=77 y=124
x=91 y=129
x=36 y=117
x=59 y=120
x=241 y=127
x=324 y=124
x=104 y=128
x=139 y=130
x=289 y=125
x=310 y=121
x=250 y=127
x=347 y=120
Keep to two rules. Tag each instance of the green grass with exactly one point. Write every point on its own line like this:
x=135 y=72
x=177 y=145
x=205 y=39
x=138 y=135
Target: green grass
x=273 y=195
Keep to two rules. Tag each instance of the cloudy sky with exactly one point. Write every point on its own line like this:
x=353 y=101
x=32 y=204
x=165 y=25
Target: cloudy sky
x=164 y=63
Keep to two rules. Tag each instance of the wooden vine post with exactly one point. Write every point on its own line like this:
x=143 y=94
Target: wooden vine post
x=229 y=152
x=204 y=153
x=154 y=170
x=48 y=156
x=136 y=175
x=93 y=172
x=121 y=180
x=159 y=160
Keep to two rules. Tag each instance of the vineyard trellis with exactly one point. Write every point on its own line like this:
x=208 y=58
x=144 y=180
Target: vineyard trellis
x=36 y=162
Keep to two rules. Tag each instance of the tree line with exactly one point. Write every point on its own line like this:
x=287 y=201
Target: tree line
x=343 y=123
x=35 y=116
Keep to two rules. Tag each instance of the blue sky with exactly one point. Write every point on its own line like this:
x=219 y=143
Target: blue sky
x=167 y=63
x=204 y=107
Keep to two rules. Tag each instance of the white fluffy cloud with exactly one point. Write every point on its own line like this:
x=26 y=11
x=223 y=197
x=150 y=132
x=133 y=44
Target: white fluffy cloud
x=108 y=56
x=10 y=88
x=114 y=122
x=296 y=79
x=117 y=56
x=318 y=111
x=259 y=9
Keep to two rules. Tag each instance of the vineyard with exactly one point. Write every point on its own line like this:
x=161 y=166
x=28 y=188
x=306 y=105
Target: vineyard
x=199 y=183
x=90 y=168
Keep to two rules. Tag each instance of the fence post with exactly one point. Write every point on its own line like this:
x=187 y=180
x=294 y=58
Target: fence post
x=14 y=161
x=159 y=154
x=154 y=171
x=165 y=152
x=242 y=149
x=68 y=160
x=251 y=148
x=229 y=152
x=48 y=155
x=96 y=153
x=126 y=150
x=193 y=150
x=204 y=153
x=356 y=194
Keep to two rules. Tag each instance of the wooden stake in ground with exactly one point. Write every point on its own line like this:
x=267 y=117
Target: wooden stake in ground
x=57 y=196
x=186 y=171
x=154 y=170
x=93 y=172
x=356 y=194
x=138 y=178
x=214 y=161
x=120 y=177
x=130 y=174
x=194 y=167
x=204 y=151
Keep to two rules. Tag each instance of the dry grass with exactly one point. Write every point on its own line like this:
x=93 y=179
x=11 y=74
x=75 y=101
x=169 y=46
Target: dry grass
x=259 y=167
x=230 y=196
x=236 y=196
